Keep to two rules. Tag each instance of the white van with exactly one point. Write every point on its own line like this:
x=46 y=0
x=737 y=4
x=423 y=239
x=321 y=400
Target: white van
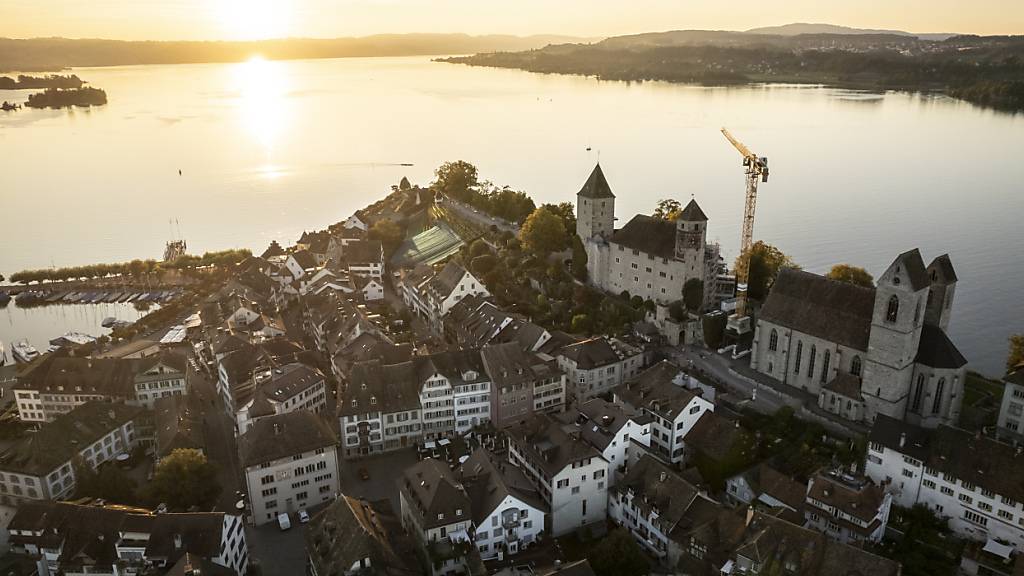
x=284 y=521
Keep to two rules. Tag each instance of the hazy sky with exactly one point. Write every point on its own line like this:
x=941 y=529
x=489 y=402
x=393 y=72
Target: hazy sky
x=247 y=19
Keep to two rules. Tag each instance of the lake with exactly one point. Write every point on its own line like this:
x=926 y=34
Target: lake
x=40 y=324
x=269 y=149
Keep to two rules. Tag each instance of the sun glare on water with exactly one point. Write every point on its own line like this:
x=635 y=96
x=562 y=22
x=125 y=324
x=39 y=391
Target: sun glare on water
x=262 y=87
x=254 y=19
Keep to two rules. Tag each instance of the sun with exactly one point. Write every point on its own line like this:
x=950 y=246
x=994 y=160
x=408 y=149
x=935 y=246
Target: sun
x=253 y=19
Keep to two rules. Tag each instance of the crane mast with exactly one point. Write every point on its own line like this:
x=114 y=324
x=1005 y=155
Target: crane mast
x=755 y=170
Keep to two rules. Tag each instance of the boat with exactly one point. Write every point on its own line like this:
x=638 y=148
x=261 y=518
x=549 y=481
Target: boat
x=23 y=351
x=108 y=321
x=72 y=339
x=4 y=298
x=115 y=297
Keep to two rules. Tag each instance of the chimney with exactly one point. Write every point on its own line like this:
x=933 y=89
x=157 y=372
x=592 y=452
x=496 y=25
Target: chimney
x=112 y=414
x=750 y=516
x=903 y=439
x=662 y=476
x=177 y=541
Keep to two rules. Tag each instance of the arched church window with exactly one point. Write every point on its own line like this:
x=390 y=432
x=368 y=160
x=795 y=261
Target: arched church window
x=937 y=404
x=773 y=340
x=915 y=406
x=810 y=361
x=799 y=353
x=893 y=311
x=855 y=366
x=824 y=365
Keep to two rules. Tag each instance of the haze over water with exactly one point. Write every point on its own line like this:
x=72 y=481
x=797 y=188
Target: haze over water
x=269 y=149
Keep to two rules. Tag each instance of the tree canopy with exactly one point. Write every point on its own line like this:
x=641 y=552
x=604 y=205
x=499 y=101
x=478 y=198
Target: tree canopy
x=851 y=275
x=668 y=209
x=693 y=294
x=543 y=233
x=184 y=479
x=618 y=554
x=389 y=233
x=1016 y=357
x=456 y=179
x=763 y=263
x=566 y=211
x=579 y=258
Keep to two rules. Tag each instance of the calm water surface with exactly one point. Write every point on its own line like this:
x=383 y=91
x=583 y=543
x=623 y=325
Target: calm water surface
x=41 y=324
x=269 y=149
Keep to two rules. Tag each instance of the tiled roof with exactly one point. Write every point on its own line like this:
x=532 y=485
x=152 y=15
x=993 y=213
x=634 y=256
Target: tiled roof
x=846 y=385
x=649 y=235
x=715 y=436
x=438 y=496
x=592 y=353
x=942 y=269
x=284 y=435
x=936 y=350
x=351 y=530
x=179 y=424
x=547 y=443
x=658 y=487
x=692 y=213
x=655 y=389
x=60 y=441
x=596 y=185
x=972 y=458
x=914 y=264
x=489 y=480
x=835 y=311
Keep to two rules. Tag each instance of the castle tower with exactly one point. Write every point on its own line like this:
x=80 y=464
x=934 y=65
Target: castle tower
x=691 y=233
x=595 y=207
x=940 y=298
x=896 y=323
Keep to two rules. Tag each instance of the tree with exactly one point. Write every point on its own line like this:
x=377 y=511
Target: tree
x=543 y=233
x=1016 y=357
x=851 y=275
x=478 y=248
x=389 y=234
x=677 y=311
x=566 y=211
x=483 y=264
x=456 y=179
x=618 y=554
x=184 y=479
x=763 y=263
x=668 y=209
x=580 y=324
x=579 y=259
x=693 y=294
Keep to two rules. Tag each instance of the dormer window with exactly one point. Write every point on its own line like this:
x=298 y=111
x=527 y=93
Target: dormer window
x=373 y=400
x=458 y=512
x=440 y=516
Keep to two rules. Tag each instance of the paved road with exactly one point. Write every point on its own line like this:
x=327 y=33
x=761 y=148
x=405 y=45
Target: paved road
x=481 y=219
x=719 y=365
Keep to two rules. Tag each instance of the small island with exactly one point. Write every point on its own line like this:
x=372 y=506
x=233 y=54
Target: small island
x=58 y=98
x=23 y=82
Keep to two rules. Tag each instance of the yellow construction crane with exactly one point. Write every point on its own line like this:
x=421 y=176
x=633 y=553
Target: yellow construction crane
x=756 y=169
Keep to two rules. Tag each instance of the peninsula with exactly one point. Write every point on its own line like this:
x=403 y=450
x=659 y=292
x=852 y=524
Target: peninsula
x=984 y=70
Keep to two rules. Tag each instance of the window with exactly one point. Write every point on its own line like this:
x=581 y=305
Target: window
x=562 y=483
x=915 y=406
x=773 y=340
x=575 y=489
x=929 y=483
x=965 y=498
x=985 y=506
x=946 y=490
x=1006 y=515
x=908 y=473
x=855 y=366
x=799 y=353
x=893 y=311
x=824 y=365
x=988 y=494
x=975 y=518
x=810 y=361
x=937 y=404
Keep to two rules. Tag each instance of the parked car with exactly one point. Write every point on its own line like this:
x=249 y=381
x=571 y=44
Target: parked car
x=284 y=521
x=303 y=516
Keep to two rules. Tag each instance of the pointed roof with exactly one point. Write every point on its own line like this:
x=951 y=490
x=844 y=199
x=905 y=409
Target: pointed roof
x=692 y=213
x=596 y=186
x=941 y=270
x=915 y=268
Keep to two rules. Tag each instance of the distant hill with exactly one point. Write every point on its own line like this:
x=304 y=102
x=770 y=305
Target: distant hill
x=804 y=28
x=48 y=54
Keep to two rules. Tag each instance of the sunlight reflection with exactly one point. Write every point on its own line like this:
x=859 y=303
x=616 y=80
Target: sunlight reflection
x=262 y=87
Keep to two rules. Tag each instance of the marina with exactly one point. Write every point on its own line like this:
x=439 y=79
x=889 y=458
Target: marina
x=60 y=324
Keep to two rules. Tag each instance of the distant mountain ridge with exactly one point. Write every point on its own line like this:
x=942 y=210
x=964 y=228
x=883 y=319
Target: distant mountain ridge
x=48 y=54
x=798 y=28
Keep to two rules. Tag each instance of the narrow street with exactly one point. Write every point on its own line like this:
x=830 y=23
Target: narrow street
x=221 y=447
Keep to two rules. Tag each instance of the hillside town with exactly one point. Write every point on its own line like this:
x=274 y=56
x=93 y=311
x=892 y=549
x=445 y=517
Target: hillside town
x=455 y=382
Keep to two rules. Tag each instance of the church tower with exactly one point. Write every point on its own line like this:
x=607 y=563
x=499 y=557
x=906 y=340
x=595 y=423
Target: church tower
x=896 y=322
x=940 y=297
x=595 y=207
x=691 y=233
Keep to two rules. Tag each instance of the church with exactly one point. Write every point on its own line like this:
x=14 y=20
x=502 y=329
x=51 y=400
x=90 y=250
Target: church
x=648 y=257
x=867 y=351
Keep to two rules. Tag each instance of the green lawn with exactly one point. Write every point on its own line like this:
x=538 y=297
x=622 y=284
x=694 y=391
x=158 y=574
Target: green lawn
x=977 y=388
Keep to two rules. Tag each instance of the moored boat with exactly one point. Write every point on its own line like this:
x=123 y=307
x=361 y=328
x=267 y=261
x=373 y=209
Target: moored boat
x=23 y=351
